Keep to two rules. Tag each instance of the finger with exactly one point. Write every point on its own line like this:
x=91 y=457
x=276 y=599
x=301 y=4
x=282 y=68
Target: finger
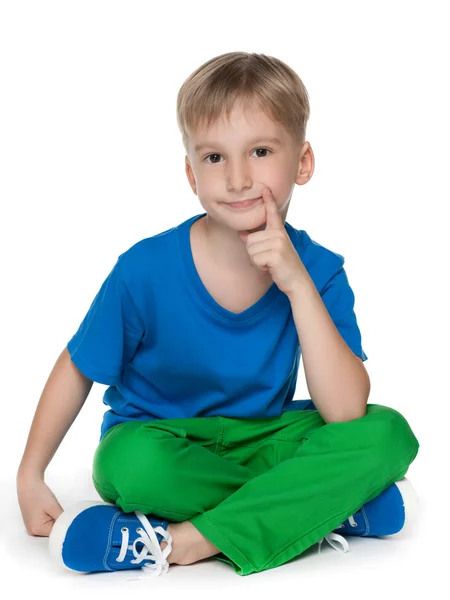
x=273 y=219
x=41 y=529
x=55 y=510
x=46 y=528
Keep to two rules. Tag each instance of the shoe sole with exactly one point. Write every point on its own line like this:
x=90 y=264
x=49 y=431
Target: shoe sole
x=60 y=527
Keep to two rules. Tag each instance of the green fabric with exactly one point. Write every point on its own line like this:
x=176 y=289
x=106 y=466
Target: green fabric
x=261 y=490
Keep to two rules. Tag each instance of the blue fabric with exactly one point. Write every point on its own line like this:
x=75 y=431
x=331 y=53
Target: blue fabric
x=168 y=350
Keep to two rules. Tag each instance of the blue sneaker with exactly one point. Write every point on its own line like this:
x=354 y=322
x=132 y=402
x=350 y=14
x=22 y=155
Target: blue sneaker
x=96 y=536
x=385 y=515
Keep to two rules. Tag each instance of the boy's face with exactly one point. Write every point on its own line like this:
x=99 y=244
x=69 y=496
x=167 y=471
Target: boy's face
x=237 y=160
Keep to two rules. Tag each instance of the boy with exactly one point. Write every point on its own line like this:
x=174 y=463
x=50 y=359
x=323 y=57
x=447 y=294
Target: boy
x=198 y=331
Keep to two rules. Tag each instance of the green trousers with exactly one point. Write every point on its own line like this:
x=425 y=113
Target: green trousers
x=261 y=490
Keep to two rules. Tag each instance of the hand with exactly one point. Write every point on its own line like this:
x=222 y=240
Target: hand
x=272 y=250
x=38 y=505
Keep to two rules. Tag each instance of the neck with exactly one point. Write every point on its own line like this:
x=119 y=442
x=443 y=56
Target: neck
x=226 y=248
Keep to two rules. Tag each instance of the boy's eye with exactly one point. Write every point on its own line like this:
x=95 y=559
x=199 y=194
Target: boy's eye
x=215 y=154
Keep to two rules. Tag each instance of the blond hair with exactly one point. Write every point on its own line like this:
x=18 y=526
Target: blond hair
x=215 y=87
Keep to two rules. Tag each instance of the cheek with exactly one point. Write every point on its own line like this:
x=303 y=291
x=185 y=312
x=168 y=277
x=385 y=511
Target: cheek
x=277 y=176
x=208 y=181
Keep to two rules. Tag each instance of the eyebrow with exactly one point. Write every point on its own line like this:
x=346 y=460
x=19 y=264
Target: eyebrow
x=272 y=140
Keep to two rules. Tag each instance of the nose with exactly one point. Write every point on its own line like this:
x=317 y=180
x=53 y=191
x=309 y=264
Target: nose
x=238 y=176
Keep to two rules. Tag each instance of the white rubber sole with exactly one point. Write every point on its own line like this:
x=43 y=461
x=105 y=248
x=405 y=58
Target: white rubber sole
x=62 y=524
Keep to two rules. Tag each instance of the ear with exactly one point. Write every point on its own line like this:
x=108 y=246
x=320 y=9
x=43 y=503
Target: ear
x=190 y=175
x=306 y=164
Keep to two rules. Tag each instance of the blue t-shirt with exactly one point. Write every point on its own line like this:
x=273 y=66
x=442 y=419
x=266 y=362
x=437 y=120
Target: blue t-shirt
x=168 y=350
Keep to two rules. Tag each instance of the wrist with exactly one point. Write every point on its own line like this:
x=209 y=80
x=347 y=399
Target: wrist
x=28 y=472
x=301 y=286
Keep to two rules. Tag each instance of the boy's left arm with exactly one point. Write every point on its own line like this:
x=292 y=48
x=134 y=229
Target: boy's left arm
x=337 y=379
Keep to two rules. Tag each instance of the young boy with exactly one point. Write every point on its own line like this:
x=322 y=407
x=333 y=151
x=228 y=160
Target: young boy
x=198 y=332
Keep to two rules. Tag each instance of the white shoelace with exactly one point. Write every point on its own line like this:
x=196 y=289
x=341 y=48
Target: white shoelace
x=151 y=547
x=334 y=537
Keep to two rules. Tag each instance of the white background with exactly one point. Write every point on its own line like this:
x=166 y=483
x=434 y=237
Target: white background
x=92 y=161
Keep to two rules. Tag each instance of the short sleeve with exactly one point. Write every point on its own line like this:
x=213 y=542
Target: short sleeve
x=339 y=299
x=109 y=334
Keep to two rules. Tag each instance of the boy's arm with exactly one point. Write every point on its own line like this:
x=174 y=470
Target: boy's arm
x=61 y=400
x=336 y=378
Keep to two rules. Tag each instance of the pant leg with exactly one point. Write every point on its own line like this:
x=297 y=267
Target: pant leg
x=170 y=468
x=327 y=472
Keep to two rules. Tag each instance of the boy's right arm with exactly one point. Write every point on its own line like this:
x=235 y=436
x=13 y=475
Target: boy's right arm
x=61 y=400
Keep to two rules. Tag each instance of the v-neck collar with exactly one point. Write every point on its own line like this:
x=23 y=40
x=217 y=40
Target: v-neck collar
x=196 y=283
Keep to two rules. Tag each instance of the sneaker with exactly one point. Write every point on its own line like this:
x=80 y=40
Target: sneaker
x=386 y=514
x=96 y=536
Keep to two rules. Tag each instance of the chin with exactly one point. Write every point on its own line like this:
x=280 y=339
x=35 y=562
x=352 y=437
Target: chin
x=251 y=224
x=255 y=221
x=259 y=228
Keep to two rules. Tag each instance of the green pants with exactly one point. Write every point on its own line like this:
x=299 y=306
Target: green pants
x=261 y=490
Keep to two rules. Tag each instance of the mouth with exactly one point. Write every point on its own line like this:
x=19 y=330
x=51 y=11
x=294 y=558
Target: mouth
x=244 y=203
